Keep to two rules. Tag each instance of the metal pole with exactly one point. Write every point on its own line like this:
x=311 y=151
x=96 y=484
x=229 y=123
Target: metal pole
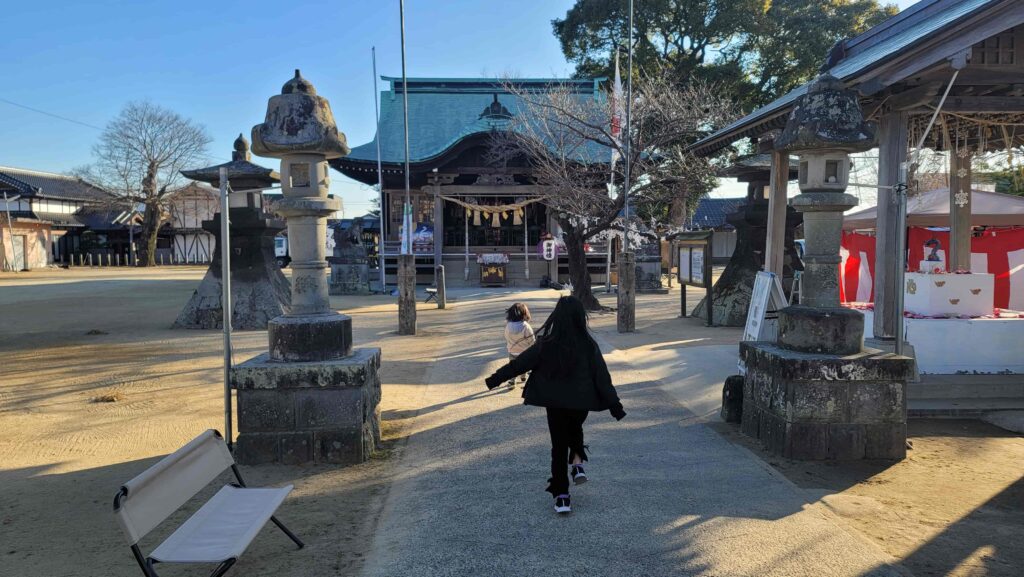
x=380 y=175
x=629 y=110
x=407 y=209
x=225 y=283
x=526 y=243
x=465 y=271
x=900 y=197
x=131 y=236
x=10 y=230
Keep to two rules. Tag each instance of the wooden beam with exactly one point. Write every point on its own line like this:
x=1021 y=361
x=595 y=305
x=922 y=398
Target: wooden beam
x=777 y=201
x=914 y=97
x=981 y=104
x=959 y=211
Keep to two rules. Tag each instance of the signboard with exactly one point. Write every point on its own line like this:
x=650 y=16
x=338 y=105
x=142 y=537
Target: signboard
x=684 y=264
x=548 y=249
x=693 y=251
x=697 y=266
x=765 y=302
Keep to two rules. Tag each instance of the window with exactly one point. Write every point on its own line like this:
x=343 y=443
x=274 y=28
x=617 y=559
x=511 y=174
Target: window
x=299 y=174
x=832 y=171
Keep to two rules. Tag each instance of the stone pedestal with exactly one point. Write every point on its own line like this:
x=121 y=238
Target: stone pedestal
x=349 y=278
x=731 y=293
x=259 y=290
x=350 y=267
x=320 y=412
x=821 y=406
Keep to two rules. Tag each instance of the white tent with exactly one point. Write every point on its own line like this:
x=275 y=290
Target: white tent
x=932 y=209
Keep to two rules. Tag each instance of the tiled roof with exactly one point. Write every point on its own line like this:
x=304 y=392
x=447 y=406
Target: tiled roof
x=876 y=45
x=49 y=185
x=711 y=212
x=443 y=111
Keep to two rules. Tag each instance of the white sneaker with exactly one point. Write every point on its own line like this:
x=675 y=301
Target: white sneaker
x=562 y=504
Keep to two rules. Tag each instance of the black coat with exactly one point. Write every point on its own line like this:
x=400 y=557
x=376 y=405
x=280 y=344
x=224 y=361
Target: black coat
x=587 y=387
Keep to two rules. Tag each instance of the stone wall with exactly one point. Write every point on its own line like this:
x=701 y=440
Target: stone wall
x=816 y=406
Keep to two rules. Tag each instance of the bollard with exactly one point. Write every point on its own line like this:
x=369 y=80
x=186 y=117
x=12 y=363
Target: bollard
x=406 y=294
x=81 y=259
x=161 y=259
x=441 y=301
x=90 y=259
x=118 y=259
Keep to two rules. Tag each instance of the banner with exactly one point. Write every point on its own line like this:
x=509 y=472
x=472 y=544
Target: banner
x=997 y=252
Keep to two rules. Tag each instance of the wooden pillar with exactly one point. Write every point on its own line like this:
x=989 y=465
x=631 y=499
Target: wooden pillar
x=626 y=314
x=960 y=210
x=407 y=294
x=777 y=202
x=892 y=152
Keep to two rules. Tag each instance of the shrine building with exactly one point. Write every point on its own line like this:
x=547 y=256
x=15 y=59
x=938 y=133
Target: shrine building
x=467 y=210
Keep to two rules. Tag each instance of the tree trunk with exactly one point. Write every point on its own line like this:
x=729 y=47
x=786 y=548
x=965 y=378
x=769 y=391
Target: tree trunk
x=151 y=220
x=150 y=228
x=579 y=276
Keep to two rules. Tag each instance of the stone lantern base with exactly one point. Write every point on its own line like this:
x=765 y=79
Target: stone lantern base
x=308 y=412
x=817 y=406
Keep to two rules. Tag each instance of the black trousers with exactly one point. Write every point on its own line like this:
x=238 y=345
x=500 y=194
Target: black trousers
x=566 y=427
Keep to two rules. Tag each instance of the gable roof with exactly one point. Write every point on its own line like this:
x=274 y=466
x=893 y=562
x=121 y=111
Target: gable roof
x=853 y=60
x=444 y=111
x=49 y=185
x=711 y=212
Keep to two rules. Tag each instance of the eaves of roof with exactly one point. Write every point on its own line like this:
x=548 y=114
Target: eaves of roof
x=918 y=27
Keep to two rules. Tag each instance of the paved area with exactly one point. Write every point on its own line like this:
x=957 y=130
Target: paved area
x=668 y=496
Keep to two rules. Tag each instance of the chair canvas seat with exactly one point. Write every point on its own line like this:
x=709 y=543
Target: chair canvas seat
x=223 y=527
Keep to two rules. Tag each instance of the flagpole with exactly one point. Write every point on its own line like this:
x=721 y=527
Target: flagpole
x=629 y=109
x=407 y=208
x=380 y=176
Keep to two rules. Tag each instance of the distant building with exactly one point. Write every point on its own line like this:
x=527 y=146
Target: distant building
x=183 y=234
x=47 y=219
x=463 y=206
x=55 y=218
x=710 y=215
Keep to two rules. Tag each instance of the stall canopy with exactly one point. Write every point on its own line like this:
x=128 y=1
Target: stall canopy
x=932 y=209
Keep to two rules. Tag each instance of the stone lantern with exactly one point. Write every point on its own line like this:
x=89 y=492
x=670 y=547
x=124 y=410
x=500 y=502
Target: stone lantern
x=824 y=128
x=311 y=398
x=817 y=393
x=259 y=290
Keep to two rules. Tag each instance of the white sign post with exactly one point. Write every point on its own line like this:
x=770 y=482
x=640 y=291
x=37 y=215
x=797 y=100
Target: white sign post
x=766 y=301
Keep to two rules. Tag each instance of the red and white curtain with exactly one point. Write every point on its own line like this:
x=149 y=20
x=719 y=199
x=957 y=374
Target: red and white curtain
x=996 y=251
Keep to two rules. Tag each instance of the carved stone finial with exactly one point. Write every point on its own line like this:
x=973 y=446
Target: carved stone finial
x=298 y=122
x=241 y=151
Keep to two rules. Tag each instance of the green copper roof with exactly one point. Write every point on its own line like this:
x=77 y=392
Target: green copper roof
x=443 y=111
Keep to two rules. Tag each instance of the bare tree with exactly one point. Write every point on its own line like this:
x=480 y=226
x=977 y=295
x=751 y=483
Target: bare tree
x=566 y=138
x=138 y=159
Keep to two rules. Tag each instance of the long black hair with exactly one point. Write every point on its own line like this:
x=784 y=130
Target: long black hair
x=565 y=334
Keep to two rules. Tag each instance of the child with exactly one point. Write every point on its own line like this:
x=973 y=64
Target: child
x=518 y=333
x=569 y=378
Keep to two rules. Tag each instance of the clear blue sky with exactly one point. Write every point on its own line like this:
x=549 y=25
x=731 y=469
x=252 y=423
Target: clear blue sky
x=218 y=61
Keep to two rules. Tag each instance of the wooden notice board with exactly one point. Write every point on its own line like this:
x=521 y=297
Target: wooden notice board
x=693 y=260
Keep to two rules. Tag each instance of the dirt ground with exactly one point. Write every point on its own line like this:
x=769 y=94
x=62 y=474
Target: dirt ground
x=72 y=341
x=95 y=387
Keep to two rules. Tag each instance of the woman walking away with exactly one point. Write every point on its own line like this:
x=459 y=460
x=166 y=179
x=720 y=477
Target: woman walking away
x=569 y=378
x=518 y=333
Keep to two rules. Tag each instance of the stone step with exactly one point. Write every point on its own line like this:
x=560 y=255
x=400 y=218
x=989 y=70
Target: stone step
x=964 y=395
